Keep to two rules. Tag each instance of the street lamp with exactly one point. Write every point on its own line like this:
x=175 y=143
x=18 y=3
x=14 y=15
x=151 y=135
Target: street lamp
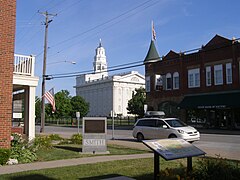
x=45 y=77
x=71 y=62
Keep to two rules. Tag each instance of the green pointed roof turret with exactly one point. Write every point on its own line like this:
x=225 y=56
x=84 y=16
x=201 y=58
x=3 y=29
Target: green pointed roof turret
x=152 y=54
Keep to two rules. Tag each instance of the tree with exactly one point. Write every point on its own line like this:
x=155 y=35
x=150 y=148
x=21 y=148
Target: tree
x=62 y=103
x=79 y=105
x=136 y=104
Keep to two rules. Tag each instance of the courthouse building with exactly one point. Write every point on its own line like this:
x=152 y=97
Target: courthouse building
x=105 y=93
x=201 y=87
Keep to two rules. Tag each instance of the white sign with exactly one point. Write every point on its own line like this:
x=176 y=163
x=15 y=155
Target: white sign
x=94 y=142
x=78 y=114
x=17 y=115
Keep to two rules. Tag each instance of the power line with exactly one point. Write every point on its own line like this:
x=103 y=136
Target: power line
x=89 y=71
x=110 y=70
x=101 y=24
x=109 y=26
x=141 y=63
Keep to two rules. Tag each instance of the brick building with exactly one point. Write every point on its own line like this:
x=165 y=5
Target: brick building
x=7 y=33
x=201 y=87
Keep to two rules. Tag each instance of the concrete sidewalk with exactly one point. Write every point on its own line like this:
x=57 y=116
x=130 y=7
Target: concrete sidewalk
x=68 y=162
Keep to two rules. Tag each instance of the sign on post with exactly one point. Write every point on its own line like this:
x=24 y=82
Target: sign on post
x=175 y=148
x=78 y=119
x=94 y=135
x=170 y=149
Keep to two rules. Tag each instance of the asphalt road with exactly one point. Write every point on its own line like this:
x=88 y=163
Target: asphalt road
x=226 y=146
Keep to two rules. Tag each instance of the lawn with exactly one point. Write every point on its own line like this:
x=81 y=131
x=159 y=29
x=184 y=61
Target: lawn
x=72 y=151
x=203 y=169
x=137 y=169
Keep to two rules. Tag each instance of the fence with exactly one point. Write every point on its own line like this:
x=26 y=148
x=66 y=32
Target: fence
x=73 y=122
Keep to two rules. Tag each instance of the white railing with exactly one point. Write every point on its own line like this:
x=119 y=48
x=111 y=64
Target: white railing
x=24 y=65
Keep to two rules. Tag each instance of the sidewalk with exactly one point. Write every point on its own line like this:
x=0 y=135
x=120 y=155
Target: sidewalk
x=68 y=162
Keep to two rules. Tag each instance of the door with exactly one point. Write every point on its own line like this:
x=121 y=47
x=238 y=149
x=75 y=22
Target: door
x=160 y=132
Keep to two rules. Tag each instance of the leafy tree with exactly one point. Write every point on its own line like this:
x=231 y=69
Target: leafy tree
x=136 y=104
x=62 y=103
x=79 y=105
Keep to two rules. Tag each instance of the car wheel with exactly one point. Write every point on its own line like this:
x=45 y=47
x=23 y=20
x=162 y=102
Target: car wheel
x=172 y=136
x=140 y=137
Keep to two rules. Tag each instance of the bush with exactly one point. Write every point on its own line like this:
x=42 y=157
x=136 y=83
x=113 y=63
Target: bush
x=21 y=149
x=76 y=139
x=42 y=142
x=216 y=168
x=4 y=155
x=55 y=137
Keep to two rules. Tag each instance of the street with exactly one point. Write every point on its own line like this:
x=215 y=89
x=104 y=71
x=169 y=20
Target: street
x=226 y=146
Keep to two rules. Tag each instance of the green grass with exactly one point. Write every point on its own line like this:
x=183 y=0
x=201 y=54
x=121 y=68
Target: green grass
x=137 y=169
x=72 y=151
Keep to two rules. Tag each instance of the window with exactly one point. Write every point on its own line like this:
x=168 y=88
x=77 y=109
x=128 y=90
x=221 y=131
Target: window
x=194 y=78
x=208 y=76
x=168 y=81
x=229 y=73
x=160 y=123
x=218 y=75
x=176 y=80
x=158 y=82
x=147 y=122
x=147 y=86
x=135 y=79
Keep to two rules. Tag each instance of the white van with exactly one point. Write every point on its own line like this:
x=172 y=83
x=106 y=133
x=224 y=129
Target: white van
x=161 y=128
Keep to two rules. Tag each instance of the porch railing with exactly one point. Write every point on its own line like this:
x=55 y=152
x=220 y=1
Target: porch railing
x=24 y=65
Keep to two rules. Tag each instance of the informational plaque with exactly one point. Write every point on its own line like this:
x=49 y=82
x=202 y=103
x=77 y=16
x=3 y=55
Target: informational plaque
x=175 y=148
x=94 y=135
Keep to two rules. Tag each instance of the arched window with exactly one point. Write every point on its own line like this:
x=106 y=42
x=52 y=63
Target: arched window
x=176 y=80
x=168 y=81
x=135 y=79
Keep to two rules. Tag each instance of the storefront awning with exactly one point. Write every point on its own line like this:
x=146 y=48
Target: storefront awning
x=211 y=101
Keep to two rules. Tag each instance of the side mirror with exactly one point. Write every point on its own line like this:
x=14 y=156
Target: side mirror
x=164 y=126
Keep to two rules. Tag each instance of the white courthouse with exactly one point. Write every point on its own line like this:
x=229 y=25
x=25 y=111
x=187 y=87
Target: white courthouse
x=106 y=93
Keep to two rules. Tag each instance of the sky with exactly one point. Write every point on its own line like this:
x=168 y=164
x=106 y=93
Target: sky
x=124 y=27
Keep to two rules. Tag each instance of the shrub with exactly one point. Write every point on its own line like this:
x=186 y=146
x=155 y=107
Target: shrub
x=42 y=142
x=216 y=168
x=4 y=155
x=76 y=139
x=55 y=137
x=21 y=149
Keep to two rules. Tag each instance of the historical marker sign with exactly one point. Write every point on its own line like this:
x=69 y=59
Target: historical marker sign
x=94 y=134
x=174 y=148
x=171 y=149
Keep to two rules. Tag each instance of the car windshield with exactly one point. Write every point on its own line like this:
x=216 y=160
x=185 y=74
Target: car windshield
x=175 y=123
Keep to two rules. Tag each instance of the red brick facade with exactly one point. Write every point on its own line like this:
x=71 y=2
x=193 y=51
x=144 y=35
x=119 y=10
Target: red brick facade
x=7 y=35
x=219 y=51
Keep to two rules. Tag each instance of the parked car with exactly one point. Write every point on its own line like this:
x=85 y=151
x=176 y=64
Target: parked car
x=161 y=128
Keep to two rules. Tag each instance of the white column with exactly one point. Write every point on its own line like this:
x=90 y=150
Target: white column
x=31 y=129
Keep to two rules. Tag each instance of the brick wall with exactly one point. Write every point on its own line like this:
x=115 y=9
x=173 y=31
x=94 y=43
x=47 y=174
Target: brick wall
x=7 y=35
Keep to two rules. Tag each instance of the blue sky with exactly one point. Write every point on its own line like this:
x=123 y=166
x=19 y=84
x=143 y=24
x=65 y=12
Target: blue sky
x=124 y=27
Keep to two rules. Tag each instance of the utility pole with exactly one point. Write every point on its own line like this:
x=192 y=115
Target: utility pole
x=47 y=21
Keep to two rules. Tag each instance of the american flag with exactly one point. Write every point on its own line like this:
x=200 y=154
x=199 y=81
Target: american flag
x=153 y=32
x=49 y=95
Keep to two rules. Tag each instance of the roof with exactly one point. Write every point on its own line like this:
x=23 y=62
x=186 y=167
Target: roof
x=152 y=54
x=171 y=55
x=217 y=41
